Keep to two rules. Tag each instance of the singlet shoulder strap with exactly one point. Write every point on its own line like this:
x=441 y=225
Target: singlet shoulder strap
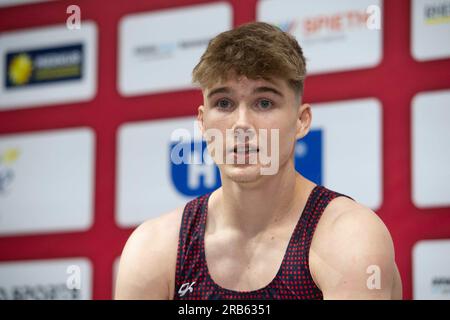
x=190 y=231
x=319 y=200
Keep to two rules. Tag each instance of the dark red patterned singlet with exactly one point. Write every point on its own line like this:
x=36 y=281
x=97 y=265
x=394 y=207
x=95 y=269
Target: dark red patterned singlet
x=293 y=280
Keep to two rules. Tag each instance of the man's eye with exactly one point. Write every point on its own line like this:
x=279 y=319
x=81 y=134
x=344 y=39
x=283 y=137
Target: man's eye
x=265 y=104
x=223 y=104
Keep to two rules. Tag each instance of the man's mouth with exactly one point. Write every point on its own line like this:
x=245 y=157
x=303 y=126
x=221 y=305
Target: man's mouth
x=245 y=149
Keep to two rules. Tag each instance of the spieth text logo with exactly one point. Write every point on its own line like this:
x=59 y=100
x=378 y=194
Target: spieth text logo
x=337 y=23
x=194 y=163
x=7 y=159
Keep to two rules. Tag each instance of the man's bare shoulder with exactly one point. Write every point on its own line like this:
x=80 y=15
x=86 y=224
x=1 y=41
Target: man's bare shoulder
x=149 y=258
x=343 y=216
x=160 y=232
x=350 y=239
x=162 y=227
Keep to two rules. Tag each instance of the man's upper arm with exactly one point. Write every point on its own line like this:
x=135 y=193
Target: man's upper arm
x=355 y=258
x=147 y=259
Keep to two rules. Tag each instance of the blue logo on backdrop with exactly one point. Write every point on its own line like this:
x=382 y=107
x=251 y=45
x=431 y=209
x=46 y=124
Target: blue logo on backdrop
x=193 y=177
x=308 y=156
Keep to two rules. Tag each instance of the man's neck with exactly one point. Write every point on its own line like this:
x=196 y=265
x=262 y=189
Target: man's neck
x=252 y=211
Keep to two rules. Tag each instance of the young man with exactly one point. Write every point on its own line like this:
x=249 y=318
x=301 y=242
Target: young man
x=259 y=236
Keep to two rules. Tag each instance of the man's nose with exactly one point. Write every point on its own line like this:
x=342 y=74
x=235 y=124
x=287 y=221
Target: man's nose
x=243 y=127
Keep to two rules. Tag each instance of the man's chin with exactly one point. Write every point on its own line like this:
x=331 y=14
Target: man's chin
x=242 y=173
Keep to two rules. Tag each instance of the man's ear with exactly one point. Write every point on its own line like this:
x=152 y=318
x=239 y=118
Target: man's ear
x=304 y=118
x=200 y=118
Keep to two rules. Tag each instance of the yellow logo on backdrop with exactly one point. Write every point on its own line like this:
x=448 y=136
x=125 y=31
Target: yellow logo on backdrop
x=20 y=69
x=9 y=156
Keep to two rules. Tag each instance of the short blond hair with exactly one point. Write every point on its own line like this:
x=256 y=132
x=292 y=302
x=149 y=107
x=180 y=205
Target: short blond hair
x=255 y=50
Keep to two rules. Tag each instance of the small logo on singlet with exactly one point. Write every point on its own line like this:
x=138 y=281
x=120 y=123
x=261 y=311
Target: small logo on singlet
x=185 y=288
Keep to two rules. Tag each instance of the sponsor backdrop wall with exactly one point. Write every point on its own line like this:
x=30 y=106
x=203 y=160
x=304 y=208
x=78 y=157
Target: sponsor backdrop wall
x=87 y=116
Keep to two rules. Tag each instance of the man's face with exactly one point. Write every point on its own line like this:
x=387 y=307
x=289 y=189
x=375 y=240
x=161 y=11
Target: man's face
x=241 y=110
